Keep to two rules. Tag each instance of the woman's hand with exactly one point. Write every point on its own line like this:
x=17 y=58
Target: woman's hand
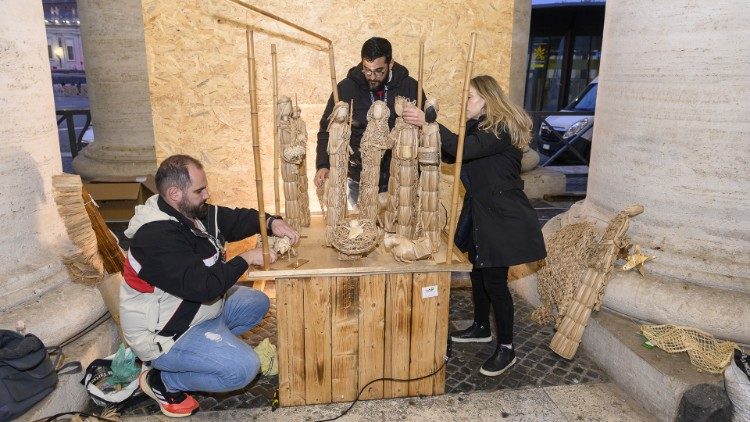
x=414 y=116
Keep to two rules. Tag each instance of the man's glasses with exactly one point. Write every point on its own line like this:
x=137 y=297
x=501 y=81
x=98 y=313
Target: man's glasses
x=377 y=72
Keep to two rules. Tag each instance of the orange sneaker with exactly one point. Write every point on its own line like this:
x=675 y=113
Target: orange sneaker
x=175 y=405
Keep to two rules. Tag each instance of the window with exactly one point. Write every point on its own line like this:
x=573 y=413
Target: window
x=71 y=56
x=49 y=51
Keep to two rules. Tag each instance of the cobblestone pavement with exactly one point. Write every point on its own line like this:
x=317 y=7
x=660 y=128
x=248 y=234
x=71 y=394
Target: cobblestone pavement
x=537 y=365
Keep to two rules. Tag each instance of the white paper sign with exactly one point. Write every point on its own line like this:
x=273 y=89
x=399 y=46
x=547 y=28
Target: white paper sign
x=429 y=291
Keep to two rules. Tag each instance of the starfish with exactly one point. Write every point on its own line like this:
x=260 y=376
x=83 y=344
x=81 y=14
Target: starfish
x=636 y=260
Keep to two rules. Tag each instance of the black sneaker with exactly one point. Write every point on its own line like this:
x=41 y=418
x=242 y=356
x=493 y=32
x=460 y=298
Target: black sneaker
x=476 y=333
x=503 y=359
x=175 y=405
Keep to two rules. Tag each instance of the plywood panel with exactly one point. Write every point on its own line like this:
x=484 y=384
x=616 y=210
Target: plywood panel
x=345 y=338
x=423 y=320
x=371 y=334
x=397 y=333
x=198 y=71
x=290 y=341
x=441 y=329
x=317 y=323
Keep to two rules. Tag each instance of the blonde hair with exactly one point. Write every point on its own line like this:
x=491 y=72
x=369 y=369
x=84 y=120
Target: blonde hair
x=500 y=114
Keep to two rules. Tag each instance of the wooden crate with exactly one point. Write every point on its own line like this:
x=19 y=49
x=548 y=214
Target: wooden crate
x=342 y=324
x=336 y=334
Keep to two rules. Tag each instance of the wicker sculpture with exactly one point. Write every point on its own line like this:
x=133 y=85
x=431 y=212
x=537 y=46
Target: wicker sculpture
x=355 y=238
x=429 y=178
x=339 y=134
x=400 y=216
x=588 y=295
x=300 y=142
x=373 y=145
x=290 y=159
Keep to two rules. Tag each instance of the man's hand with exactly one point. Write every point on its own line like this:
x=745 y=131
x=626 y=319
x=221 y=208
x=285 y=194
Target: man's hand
x=414 y=116
x=255 y=256
x=280 y=228
x=320 y=177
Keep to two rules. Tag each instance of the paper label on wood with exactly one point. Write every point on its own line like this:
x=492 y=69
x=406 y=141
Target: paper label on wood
x=429 y=291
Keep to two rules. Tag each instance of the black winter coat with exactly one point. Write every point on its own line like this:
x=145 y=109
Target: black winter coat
x=498 y=227
x=355 y=87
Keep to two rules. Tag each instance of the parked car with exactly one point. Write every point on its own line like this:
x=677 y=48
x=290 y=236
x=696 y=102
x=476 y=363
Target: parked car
x=570 y=126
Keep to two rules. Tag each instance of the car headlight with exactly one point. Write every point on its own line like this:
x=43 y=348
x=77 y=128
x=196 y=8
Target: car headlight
x=576 y=128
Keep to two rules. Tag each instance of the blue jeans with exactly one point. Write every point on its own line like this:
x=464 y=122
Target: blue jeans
x=209 y=357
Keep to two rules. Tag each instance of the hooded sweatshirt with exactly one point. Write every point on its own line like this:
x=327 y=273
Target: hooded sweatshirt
x=175 y=273
x=355 y=87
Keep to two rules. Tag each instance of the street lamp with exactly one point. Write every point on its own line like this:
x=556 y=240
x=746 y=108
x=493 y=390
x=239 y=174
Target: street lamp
x=58 y=52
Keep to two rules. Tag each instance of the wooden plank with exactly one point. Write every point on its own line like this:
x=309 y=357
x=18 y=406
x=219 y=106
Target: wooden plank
x=290 y=341
x=345 y=338
x=324 y=262
x=371 y=334
x=398 y=312
x=441 y=329
x=423 y=320
x=317 y=322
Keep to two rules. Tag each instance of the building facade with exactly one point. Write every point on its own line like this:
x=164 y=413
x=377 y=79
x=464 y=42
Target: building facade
x=62 y=23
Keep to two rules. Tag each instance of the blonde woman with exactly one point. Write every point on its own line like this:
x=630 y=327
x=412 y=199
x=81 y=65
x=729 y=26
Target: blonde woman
x=498 y=227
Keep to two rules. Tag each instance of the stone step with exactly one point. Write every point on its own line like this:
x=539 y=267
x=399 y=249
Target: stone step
x=665 y=384
x=70 y=395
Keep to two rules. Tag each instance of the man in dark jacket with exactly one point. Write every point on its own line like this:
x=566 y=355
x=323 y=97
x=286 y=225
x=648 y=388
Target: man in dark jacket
x=179 y=307
x=377 y=77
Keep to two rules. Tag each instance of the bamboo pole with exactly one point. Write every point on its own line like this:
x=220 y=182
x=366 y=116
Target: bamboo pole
x=276 y=147
x=256 y=145
x=460 y=149
x=420 y=73
x=334 y=88
x=304 y=30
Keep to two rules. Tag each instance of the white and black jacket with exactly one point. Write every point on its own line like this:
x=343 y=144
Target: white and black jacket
x=175 y=273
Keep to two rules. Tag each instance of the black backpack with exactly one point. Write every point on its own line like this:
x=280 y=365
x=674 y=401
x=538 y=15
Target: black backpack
x=27 y=375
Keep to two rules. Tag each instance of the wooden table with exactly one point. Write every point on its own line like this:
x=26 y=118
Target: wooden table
x=342 y=324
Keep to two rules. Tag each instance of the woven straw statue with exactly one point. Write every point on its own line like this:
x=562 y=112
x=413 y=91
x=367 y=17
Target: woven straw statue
x=339 y=134
x=429 y=179
x=402 y=187
x=373 y=145
x=290 y=159
x=300 y=142
x=588 y=295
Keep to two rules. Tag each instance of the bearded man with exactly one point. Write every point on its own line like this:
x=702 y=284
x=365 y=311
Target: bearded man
x=180 y=310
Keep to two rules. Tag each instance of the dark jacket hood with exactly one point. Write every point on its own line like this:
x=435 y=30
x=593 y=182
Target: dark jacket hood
x=398 y=74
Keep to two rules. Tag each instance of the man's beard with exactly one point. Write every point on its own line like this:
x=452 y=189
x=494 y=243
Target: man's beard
x=379 y=85
x=193 y=211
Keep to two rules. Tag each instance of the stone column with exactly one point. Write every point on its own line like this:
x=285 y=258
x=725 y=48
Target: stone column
x=34 y=285
x=117 y=76
x=672 y=133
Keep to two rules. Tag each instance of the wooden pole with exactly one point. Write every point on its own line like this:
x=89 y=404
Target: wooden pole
x=280 y=19
x=460 y=149
x=420 y=74
x=276 y=147
x=334 y=88
x=256 y=146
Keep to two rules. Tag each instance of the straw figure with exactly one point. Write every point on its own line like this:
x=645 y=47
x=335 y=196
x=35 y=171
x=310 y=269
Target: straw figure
x=429 y=179
x=300 y=142
x=339 y=134
x=588 y=295
x=290 y=159
x=373 y=145
x=404 y=137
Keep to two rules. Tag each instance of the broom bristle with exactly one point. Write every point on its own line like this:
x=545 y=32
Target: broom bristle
x=108 y=247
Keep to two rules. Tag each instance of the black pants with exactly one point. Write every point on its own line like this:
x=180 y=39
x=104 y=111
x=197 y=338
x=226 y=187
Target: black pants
x=490 y=286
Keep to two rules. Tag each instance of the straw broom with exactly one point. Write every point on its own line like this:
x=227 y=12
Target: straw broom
x=99 y=251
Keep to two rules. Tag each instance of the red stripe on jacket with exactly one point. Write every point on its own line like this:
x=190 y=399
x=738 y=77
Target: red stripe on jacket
x=131 y=277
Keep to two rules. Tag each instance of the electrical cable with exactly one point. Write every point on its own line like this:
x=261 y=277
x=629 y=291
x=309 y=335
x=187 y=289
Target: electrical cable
x=445 y=361
x=99 y=321
x=88 y=415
